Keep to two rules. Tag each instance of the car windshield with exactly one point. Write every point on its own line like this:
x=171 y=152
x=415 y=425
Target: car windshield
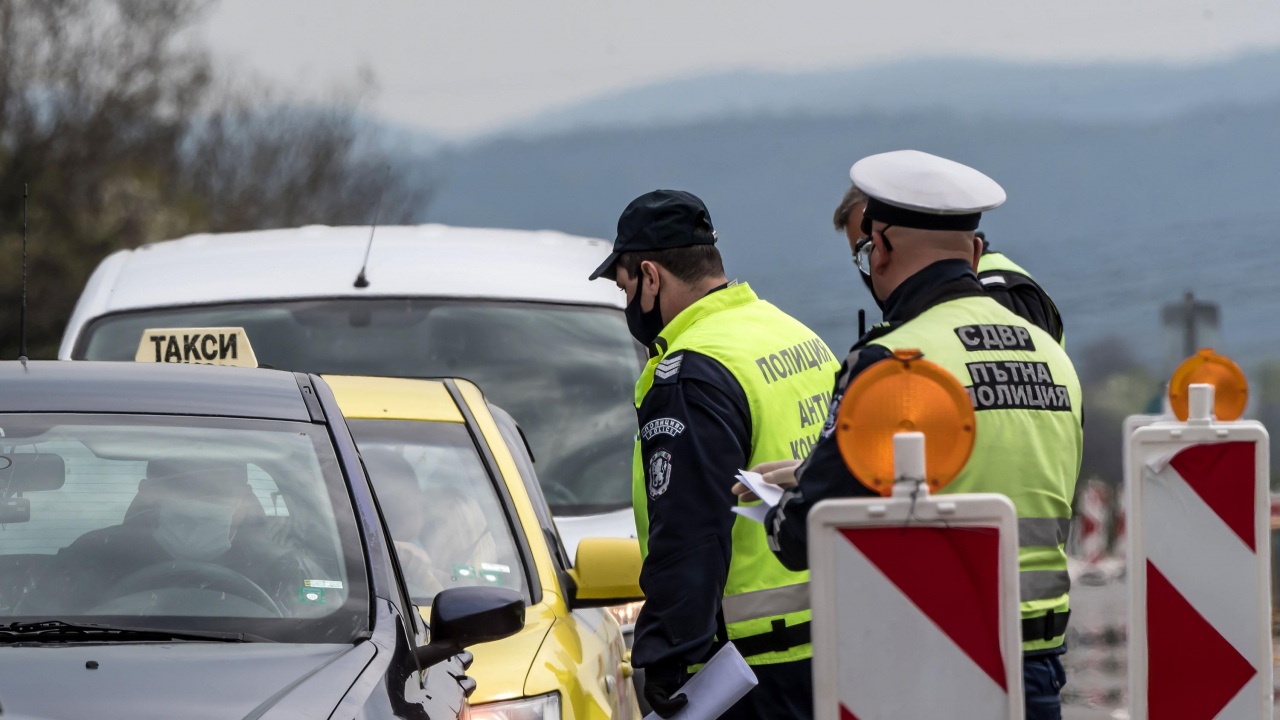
x=179 y=523
x=445 y=514
x=566 y=373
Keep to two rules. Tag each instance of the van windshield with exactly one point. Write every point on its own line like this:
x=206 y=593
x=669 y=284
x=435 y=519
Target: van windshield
x=565 y=373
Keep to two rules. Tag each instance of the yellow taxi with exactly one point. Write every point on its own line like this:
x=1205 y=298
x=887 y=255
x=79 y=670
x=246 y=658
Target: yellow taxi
x=457 y=488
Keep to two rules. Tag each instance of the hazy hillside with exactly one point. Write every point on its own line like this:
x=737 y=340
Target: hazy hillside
x=1098 y=92
x=1113 y=219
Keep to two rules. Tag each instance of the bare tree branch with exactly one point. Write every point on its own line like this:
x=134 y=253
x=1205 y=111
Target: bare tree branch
x=124 y=129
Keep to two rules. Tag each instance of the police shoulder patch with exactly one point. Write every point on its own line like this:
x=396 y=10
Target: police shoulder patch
x=667 y=371
x=833 y=412
x=659 y=473
x=661 y=426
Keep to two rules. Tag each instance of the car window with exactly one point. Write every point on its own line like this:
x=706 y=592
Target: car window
x=565 y=373
x=524 y=463
x=441 y=505
x=181 y=523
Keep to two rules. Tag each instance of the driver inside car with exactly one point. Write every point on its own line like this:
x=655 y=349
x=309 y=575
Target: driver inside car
x=441 y=542
x=194 y=526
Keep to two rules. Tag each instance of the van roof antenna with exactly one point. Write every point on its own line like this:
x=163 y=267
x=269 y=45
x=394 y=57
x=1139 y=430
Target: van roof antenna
x=22 y=318
x=361 y=280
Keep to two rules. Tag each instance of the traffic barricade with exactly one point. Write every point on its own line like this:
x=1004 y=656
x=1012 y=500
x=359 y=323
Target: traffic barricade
x=914 y=597
x=1199 y=553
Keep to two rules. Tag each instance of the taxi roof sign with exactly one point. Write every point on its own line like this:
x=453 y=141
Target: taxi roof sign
x=905 y=393
x=197 y=346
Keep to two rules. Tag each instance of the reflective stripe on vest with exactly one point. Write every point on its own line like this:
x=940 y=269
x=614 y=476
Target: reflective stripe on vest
x=1043 y=584
x=766 y=603
x=786 y=373
x=1040 y=532
x=1029 y=439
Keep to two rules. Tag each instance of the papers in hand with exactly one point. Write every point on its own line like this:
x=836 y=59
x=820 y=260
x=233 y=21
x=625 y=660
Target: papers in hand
x=769 y=494
x=723 y=681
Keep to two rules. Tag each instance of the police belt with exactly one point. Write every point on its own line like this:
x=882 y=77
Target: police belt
x=781 y=637
x=1046 y=627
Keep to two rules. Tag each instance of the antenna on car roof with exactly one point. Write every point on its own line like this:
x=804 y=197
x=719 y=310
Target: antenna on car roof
x=361 y=280
x=22 y=318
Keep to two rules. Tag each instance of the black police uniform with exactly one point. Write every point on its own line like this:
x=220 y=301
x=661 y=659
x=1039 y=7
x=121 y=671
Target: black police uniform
x=690 y=530
x=680 y=620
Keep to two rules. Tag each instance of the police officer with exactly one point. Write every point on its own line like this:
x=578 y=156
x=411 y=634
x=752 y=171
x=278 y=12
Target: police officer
x=731 y=382
x=919 y=253
x=1013 y=287
x=1004 y=280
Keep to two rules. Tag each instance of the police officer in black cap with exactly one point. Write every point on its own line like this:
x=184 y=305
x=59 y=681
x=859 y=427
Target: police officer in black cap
x=732 y=382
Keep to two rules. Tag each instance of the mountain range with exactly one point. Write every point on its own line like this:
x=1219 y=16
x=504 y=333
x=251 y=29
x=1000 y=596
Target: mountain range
x=969 y=87
x=1128 y=185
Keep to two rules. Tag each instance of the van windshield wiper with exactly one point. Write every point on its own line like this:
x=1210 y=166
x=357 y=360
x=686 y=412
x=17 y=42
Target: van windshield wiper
x=61 y=631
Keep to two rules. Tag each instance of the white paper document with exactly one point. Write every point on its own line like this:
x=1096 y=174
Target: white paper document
x=752 y=512
x=769 y=494
x=723 y=681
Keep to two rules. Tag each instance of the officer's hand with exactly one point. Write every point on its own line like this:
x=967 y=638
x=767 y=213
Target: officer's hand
x=779 y=472
x=659 y=684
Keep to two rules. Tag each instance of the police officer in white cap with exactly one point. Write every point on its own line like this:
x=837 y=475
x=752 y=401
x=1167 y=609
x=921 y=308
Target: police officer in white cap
x=919 y=253
x=1004 y=280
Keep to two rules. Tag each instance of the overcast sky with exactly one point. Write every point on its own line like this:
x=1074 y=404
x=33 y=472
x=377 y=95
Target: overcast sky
x=462 y=67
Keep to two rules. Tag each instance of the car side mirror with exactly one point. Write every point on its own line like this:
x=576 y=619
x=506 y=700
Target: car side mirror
x=466 y=616
x=606 y=572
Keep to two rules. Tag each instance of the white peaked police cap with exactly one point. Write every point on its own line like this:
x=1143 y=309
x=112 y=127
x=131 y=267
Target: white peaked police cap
x=909 y=188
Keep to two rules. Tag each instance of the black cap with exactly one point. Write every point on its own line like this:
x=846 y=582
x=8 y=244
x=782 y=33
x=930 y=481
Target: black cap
x=660 y=220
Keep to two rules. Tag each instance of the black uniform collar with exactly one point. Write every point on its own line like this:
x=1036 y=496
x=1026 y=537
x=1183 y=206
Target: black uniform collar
x=942 y=281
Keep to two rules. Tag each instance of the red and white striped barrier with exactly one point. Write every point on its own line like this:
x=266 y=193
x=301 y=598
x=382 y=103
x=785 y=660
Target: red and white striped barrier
x=1095 y=515
x=915 y=606
x=1199 y=579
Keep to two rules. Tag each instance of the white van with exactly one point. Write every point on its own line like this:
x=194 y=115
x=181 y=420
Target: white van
x=511 y=310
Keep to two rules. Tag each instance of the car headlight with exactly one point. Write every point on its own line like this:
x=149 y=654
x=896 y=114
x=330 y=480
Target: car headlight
x=542 y=707
x=626 y=614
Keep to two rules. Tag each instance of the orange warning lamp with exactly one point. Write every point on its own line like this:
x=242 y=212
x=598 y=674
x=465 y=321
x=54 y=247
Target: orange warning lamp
x=1230 y=388
x=905 y=393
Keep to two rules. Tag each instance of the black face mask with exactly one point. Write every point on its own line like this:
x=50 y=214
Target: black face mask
x=866 y=280
x=644 y=326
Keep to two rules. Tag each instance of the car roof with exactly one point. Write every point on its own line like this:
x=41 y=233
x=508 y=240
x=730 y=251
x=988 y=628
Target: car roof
x=150 y=389
x=323 y=261
x=381 y=398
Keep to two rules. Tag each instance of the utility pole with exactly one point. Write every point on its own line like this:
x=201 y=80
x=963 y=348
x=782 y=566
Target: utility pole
x=1190 y=325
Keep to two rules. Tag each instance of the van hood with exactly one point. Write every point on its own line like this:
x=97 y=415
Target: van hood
x=574 y=528
x=192 y=681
